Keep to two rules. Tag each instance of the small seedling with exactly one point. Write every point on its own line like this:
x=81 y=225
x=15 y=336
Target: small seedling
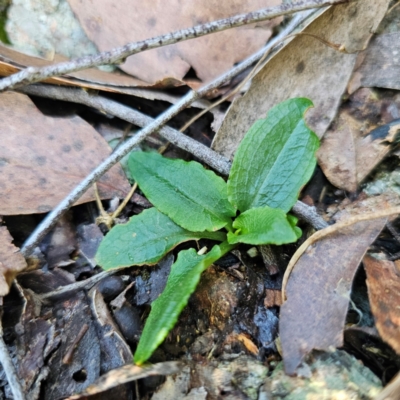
x=273 y=162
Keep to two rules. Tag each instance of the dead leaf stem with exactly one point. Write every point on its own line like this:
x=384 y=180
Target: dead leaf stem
x=119 y=54
x=328 y=231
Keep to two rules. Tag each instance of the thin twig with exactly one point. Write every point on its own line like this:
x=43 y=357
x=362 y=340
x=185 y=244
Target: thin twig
x=118 y=211
x=80 y=285
x=309 y=214
x=133 y=116
x=119 y=54
x=9 y=369
x=150 y=126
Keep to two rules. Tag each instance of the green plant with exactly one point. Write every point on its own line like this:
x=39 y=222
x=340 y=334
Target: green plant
x=273 y=162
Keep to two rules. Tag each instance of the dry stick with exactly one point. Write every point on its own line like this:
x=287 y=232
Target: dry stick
x=328 y=231
x=86 y=284
x=51 y=219
x=119 y=54
x=133 y=116
x=9 y=369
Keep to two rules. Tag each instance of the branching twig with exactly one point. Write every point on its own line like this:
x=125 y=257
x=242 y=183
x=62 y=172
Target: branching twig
x=215 y=160
x=119 y=54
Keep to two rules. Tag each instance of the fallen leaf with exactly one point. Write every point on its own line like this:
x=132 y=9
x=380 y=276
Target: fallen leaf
x=383 y=282
x=111 y=24
x=314 y=319
x=305 y=68
x=13 y=61
x=75 y=364
x=115 y=350
x=42 y=158
x=11 y=261
x=358 y=140
x=35 y=340
x=128 y=373
x=363 y=205
x=379 y=64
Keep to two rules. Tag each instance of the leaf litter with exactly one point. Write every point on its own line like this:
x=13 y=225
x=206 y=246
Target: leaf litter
x=218 y=314
x=38 y=153
x=209 y=56
x=299 y=70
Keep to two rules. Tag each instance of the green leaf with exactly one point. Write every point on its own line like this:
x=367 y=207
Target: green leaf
x=275 y=159
x=293 y=221
x=145 y=239
x=182 y=281
x=263 y=225
x=193 y=197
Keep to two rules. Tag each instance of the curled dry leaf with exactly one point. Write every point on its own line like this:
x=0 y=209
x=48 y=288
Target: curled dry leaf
x=128 y=373
x=307 y=68
x=42 y=158
x=111 y=24
x=383 y=282
x=11 y=261
x=314 y=319
x=328 y=261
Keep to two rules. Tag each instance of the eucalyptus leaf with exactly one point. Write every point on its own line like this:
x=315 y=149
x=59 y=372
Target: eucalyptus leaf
x=274 y=160
x=193 y=197
x=145 y=239
x=264 y=225
x=182 y=281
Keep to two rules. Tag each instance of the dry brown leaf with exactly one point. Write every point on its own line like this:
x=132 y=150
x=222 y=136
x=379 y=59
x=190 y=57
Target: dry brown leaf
x=42 y=158
x=128 y=373
x=383 y=282
x=11 y=261
x=305 y=68
x=351 y=148
x=318 y=291
x=112 y=24
x=12 y=61
x=379 y=64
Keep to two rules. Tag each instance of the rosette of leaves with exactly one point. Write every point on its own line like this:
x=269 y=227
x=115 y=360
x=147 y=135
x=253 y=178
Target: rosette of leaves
x=273 y=162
